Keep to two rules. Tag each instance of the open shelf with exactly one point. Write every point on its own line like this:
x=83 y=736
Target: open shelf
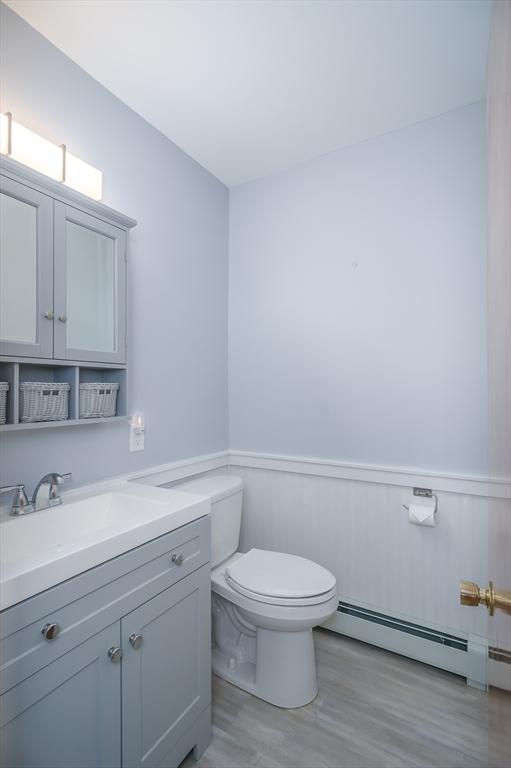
x=16 y=371
x=67 y=423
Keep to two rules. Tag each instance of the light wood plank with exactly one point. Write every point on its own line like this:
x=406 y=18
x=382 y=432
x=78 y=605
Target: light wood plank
x=374 y=709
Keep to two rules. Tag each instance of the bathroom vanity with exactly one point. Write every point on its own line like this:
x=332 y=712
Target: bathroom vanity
x=110 y=667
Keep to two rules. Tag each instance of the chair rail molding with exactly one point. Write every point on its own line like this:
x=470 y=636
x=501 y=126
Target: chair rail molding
x=162 y=474
x=474 y=485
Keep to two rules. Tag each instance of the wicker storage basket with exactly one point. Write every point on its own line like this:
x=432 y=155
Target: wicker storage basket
x=43 y=401
x=98 y=400
x=4 y=386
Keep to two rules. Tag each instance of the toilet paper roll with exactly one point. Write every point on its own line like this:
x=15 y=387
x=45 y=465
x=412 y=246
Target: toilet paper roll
x=422 y=514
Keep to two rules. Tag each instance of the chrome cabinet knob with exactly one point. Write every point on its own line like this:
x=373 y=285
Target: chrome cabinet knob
x=136 y=640
x=177 y=559
x=50 y=631
x=115 y=654
x=63 y=318
x=48 y=315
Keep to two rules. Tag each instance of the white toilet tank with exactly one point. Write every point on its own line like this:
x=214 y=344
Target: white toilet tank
x=225 y=492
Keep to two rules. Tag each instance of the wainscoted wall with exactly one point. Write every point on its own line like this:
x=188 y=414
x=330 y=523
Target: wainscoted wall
x=352 y=522
x=360 y=532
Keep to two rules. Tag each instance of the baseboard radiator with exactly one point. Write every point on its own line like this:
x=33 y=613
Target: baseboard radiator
x=463 y=654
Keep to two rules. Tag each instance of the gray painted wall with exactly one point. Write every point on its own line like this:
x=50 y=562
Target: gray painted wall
x=357 y=302
x=357 y=290
x=177 y=269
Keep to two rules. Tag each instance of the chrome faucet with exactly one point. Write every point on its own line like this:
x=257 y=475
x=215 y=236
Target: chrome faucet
x=47 y=492
x=20 y=503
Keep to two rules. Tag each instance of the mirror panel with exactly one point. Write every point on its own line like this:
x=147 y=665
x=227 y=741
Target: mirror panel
x=18 y=270
x=90 y=289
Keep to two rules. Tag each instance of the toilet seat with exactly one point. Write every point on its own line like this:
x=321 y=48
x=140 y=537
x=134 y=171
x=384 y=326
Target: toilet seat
x=280 y=579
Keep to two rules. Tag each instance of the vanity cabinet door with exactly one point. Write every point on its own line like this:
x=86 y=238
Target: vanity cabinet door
x=67 y=715
x=90 y=288
x=166 y=676
x=26 y=271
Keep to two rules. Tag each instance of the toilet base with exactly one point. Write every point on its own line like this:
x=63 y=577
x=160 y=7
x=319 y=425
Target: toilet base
x=282 y=670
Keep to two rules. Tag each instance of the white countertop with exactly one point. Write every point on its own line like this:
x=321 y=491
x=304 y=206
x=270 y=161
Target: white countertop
x=93 y=525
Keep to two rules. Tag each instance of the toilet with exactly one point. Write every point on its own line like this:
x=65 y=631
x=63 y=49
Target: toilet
x=264 y=605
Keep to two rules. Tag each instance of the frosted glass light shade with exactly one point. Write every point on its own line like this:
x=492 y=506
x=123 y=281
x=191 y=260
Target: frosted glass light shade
x=83 y=177
x=31 y=149
x=55 y=161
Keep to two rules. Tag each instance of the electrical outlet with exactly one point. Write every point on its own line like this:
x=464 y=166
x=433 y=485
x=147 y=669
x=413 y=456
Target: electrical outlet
x=137 y=435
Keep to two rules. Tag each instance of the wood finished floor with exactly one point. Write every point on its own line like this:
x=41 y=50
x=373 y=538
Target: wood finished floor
x=374 y=709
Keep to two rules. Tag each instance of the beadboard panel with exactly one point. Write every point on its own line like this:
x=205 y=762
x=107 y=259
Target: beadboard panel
x=360 y=531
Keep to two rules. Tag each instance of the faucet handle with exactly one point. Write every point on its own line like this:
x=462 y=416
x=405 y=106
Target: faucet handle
x=55 y=478
x=20 y=503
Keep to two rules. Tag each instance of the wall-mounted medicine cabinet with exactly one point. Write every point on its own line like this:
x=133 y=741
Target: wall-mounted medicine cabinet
x=63 y=310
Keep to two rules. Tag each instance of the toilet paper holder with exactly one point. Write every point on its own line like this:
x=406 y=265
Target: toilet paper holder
x=424 y=493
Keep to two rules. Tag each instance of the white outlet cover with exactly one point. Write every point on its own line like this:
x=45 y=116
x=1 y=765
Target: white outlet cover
x=137 y=437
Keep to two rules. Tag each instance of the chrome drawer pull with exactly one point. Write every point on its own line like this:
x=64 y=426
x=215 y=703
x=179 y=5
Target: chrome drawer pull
x=50 y=631
x=136 y=641
x=114 y=654
x=177 y=559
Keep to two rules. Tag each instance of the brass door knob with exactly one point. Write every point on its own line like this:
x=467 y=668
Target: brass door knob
x=472 y=594
x=469 y=593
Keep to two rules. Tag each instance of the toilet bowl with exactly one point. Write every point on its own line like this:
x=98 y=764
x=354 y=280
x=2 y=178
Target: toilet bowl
x=264 y=606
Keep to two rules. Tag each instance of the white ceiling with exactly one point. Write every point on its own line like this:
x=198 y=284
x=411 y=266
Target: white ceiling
x=249 y=87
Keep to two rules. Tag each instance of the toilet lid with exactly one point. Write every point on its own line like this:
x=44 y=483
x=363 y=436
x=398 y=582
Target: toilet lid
x=275 y=574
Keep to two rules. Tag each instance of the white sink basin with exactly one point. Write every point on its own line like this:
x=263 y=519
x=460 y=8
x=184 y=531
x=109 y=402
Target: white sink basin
x=43 y=548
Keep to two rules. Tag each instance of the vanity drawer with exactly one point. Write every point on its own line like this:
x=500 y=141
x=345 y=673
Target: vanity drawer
x=84 y=605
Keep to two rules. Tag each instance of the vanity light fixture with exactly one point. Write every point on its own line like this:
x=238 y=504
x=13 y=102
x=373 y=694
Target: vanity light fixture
x=82 y=176
x=52 y=160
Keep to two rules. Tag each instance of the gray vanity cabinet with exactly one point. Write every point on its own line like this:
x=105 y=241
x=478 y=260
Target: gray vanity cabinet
x=126 y=680
x=164 y=682
x=67 y=714
x=26 y=270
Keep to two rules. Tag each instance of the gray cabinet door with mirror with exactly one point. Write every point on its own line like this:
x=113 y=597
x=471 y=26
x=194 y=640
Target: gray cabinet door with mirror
x=26 y=271
x=62 y=272
x=90 y=288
